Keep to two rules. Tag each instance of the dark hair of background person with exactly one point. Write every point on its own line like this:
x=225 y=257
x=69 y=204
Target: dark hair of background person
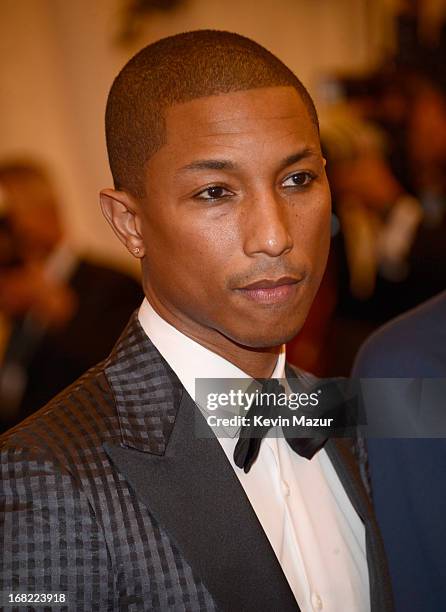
x=175 y=70
x=22 y=168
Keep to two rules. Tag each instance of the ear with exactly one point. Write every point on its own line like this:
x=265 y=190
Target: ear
x=123 y=214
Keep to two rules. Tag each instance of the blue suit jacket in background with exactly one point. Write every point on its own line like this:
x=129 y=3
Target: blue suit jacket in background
x=408 y=476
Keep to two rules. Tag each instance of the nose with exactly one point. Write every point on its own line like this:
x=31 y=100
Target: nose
x=266 y=226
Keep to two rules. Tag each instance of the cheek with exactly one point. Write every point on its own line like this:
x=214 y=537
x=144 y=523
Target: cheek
x=190 y=253
x=313 y=232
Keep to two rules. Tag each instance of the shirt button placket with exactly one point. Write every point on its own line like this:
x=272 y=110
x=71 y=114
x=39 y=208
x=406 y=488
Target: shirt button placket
x=285 y=488
x=316 y=601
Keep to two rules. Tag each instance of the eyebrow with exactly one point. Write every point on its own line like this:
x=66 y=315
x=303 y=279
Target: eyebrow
x=295 y=157
x=225 y=164
x=210 y=164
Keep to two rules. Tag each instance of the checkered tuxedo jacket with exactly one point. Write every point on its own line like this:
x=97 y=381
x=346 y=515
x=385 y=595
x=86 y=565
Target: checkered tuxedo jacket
x=108 y=496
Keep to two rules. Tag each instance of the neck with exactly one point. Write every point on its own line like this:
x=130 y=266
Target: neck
x=256 y=362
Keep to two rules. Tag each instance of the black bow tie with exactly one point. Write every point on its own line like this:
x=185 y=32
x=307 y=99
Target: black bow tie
x=332 y=404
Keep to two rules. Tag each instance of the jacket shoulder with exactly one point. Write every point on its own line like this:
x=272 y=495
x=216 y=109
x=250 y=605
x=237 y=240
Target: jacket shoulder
x=77 y=421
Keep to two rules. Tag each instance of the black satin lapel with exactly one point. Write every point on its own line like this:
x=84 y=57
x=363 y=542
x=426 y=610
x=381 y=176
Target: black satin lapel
x=194 y=494
x=341 y=456
x=381 y=597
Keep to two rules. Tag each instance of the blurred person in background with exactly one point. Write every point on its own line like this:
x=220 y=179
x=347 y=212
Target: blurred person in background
x=407 y=475
x=60 y=314
x=378 y=218
x=408 y=103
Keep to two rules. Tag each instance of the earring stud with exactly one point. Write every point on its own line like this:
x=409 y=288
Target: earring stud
x=136 y=250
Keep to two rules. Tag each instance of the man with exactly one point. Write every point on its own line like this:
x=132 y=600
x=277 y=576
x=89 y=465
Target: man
x=407 y=474
x=220 y=190
x=50 y=298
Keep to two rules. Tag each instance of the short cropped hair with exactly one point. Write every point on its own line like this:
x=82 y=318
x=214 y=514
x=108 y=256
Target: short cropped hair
x=174 y=70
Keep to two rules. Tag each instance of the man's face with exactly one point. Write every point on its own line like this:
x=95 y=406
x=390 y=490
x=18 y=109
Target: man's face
x=236 y=223
x=33 y=217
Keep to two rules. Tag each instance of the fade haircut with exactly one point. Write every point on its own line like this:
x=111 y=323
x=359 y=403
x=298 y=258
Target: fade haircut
x=174 y=70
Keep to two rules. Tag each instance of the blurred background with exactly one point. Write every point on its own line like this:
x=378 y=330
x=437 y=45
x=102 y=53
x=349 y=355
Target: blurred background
x=376 y=71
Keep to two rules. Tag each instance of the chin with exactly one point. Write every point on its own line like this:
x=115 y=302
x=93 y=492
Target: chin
x=262 y=337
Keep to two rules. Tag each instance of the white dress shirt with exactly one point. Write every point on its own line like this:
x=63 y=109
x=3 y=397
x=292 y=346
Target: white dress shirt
x=316 y=534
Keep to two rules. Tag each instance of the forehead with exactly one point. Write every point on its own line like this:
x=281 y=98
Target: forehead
x=272 y=116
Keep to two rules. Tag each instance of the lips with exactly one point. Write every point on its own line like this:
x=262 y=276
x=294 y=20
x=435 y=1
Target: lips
x=271 y=291
x=268 y=284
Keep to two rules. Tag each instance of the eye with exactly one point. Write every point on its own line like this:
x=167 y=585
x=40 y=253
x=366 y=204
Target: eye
x=298 y=179
x=212 y=193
